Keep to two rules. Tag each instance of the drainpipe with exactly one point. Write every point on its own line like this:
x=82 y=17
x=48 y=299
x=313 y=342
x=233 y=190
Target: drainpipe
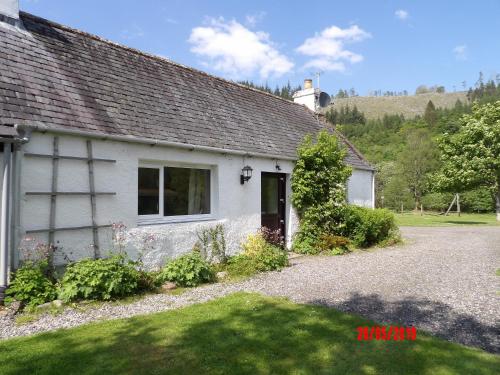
x=5 y=220
x=9 y=216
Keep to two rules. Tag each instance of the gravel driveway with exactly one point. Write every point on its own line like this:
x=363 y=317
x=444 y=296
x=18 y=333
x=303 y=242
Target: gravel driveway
x=442 y=280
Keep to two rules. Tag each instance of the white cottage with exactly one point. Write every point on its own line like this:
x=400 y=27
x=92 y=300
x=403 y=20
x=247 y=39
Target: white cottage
x=94 y=133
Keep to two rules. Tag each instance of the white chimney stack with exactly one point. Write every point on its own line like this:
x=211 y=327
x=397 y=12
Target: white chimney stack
x=308 y=96
x=9 y=9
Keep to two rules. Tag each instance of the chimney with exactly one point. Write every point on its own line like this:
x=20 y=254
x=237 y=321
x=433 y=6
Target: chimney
x=308 y=96
x=9 y=12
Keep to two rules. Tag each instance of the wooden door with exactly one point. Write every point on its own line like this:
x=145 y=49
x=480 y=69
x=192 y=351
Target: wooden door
x=273 y=202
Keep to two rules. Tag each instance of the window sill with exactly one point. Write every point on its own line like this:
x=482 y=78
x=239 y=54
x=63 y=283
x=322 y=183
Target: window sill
x=173 y=219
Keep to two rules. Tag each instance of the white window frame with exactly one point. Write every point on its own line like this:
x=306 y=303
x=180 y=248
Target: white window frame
x=160 y=218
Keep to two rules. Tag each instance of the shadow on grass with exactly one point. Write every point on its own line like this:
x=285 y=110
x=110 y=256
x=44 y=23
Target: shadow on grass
x=239 y=334
x=437 y=318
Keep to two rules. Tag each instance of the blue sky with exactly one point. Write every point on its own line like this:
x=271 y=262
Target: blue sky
x=367 y=45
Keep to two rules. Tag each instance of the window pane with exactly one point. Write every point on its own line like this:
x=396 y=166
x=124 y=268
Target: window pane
x=186 y=191
x=269 y=195
x=149 y=191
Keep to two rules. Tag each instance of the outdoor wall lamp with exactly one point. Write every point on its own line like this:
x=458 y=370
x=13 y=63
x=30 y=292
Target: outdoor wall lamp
x=246 y=174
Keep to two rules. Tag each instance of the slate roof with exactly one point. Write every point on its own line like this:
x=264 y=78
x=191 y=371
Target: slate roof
x=64 y=78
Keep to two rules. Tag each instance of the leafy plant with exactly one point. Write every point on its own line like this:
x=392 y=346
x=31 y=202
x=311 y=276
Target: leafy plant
x=31 y=286
x=318 y=189
x=187 y=270
x=99 y=279
x=334 y=245
x=241 y=266
x=272 y=237
x=367 y=227
x=212 y=244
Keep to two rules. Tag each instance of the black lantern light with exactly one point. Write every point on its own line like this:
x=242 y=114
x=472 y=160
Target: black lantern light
x=246 y=174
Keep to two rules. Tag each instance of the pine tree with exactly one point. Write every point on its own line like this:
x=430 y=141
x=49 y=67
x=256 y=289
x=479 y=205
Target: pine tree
x=430 y=115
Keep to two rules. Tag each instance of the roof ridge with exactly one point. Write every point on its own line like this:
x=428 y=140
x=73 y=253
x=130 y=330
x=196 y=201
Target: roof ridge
x=149 y=55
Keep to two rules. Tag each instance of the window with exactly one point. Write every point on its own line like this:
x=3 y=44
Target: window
x=149 y=191
x=173 y=192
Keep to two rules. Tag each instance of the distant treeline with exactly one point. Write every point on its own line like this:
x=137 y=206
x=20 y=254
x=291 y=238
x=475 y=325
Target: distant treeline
x=285 y=91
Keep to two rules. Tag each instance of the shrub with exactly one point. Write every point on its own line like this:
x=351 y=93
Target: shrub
x=241 y=265
x=148 y=280
x=334 y=245
x=258 y=256
x=31 y=286
x=272 y=237
x=100 y=279
x=188 y=270
x=367 y=227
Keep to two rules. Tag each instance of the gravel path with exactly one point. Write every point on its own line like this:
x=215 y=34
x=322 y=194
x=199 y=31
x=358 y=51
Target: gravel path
x=442 y=281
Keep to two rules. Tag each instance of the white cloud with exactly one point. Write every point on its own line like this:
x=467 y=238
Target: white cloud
x=171 y=21
x=237 y=51
x=460 y=52
x=328 y=48
x=253 y=19
x=402 y=14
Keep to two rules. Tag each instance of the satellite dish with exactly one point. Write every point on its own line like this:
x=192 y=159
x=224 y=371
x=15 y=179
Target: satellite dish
x=324 y=99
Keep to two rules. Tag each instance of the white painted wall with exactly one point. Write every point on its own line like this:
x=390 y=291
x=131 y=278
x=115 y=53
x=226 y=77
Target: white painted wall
x=236 y=206
x=307 y=97
x=10 y=8
x=360 y=188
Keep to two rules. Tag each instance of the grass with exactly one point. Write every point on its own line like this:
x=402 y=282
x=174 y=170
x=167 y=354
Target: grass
x=434 y=219
x=238 y=334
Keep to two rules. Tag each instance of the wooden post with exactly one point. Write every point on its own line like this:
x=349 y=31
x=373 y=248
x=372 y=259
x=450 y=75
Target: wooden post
x=451 y=205
x=52 y=218
x=458 y=204
x=421 y=209
x=95 y=233
x=402 y=207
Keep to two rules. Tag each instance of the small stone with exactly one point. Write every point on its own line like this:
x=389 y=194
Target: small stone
x=221 y=275
x=57 y=303
x=168 y=286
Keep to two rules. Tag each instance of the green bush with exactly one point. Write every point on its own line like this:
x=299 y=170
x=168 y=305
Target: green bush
x=99 y=279
x=188 y=270
x=241 y=265
x=258 y=256
x=367 y=227
x=31 y=286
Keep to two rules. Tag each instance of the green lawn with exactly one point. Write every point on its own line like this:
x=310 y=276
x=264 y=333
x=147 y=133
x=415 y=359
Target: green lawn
x=434 y=219
x=239 y=334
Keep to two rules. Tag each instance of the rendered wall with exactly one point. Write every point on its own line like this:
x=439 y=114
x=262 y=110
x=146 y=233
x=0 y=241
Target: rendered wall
x=236 y=206
x=360 y=188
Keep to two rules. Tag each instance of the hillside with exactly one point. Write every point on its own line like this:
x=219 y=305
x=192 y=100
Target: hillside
x=375 y=107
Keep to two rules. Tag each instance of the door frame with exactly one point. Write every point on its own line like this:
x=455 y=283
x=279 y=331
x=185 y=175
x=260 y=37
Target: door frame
x=281 y=196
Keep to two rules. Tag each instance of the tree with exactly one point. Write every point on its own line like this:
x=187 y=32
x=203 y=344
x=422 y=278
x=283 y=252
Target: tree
x=417 y=160
x=422 y=89
x=471 y=157
x=430 y=115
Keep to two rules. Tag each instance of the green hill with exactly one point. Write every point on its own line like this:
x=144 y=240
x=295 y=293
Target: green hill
x=375 y=107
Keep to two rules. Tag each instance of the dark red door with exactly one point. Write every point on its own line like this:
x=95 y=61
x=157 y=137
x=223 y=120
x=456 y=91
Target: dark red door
x=273 y=201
